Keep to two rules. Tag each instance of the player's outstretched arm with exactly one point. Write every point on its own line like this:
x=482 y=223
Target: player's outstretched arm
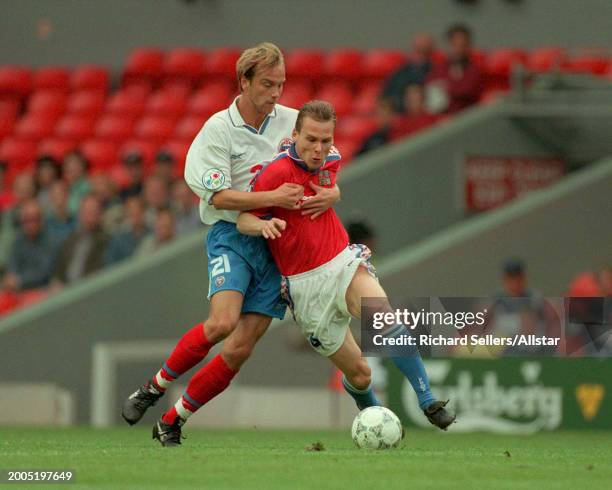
x=323 y=199
x=285 y=196
x=249 y=224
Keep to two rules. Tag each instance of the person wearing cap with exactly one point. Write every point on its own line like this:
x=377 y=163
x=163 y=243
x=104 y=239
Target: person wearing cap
x=133 y=165
x=518 y=309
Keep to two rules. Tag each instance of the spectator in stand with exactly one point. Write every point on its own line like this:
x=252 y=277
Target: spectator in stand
x=48 y=171
x=456 y=83
x=60 y=222
x=134 y=230
x=83 y=251
x=164 y=166
x=521 y=310
x=394 y=127
x=112 y=209
x=23 y=190
x=156 y=197
x=7 y=198
x=164 y=233
x=185 y=208
x=33 y=253
x=75 y=176
x=416 y=116
x=414 y=72
x=133 y=165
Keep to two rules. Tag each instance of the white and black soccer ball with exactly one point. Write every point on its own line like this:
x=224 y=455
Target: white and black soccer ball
x=376 y=428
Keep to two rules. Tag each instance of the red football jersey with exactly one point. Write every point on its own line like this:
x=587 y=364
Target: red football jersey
x=306 y=243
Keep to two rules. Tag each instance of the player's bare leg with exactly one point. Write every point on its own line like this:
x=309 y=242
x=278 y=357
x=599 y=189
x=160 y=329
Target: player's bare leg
x=190 y=350
x=357 y=379
x=238 y=347
x=364 y=285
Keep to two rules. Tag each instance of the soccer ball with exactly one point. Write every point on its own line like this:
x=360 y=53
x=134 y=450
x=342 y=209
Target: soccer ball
x=376 y=428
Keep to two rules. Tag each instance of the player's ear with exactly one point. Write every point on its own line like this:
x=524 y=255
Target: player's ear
x=294 y=134
x=243 y=83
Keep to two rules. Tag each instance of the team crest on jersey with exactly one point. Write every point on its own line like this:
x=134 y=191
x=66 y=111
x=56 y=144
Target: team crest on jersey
x=219 y=281
x=284 y=144
x=213 y=179
x=324 y=178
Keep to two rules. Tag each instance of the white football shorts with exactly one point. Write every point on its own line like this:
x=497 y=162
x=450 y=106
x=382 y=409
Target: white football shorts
x=317 y=298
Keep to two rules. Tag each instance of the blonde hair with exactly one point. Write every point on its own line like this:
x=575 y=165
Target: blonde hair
x=264 y=54
x=319 y=110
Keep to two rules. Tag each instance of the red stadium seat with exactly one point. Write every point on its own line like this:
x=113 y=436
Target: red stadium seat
x=19 y=153
x=156 y=129
x=86 y=102
x=90 y=77
x=75 y=127
x=205 y=103
x=52 y=77
x=184 y=64
x=101 y=154
x=499 y=65
x=545 y=59
x=304 y=63
x=56 y=147
x=178 y=149
x=500 y=62
x=33 y=296
x=367 y=100
x=339 y=95
x=357 y=128
x=296 y=93
x=180 y=88
x=15 y=80
x=126 y=103
x=6 y=126
x=188 y=127
x=221 y=62
x=344 y=64
x=380 y=63
x=595 y=63
x=166 y=103
x=9 y=108
x=35 y=126
x=50 y=103
x=114 y=128
x=9 y=301
x=143 y=64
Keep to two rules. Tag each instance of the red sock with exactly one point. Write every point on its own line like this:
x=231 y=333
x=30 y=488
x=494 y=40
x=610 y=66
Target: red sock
x=190 y=350
x=207 y=383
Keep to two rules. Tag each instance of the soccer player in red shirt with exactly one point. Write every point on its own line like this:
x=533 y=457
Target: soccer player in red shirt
x=324 y=277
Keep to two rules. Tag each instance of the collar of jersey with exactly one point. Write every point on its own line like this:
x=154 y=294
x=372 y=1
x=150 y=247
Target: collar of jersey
x=292 y=153
x=238 y=122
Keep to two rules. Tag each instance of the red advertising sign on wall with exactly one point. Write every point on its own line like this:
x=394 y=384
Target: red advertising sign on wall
x=491 y=181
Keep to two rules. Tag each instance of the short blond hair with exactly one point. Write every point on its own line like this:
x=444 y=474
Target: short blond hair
x=263 y=55
x=319 y=110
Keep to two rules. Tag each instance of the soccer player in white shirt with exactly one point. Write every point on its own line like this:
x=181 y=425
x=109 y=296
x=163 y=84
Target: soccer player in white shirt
x=244 y=282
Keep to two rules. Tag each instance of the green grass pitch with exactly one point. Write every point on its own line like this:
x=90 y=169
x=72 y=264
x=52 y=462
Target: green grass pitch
x=279 y=459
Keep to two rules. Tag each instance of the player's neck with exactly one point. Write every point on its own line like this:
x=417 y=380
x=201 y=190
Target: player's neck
x=249 y=113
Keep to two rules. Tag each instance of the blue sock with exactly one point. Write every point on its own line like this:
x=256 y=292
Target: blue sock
x=363 y=398
x=412 y=367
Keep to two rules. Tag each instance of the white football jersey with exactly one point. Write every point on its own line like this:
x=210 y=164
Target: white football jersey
x=227 y=153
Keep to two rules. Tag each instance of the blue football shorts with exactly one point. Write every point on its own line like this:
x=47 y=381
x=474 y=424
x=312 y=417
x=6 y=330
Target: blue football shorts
x=238 y=262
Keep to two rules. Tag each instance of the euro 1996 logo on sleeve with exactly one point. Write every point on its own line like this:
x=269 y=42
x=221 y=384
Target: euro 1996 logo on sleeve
x=213 y=179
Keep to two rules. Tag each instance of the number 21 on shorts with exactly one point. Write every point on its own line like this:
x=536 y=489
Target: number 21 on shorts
x=220 y=265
